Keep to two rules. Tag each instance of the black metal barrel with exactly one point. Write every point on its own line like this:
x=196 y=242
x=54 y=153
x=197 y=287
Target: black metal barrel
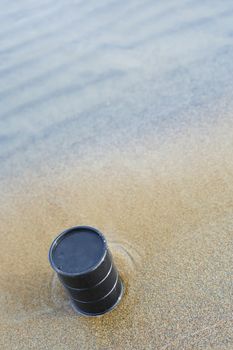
x=85 y=267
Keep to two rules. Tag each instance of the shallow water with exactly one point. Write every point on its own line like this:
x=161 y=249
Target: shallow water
x=131 y=134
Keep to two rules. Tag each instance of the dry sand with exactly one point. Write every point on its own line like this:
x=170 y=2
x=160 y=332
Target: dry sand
x=166 y=209
x=108 y=117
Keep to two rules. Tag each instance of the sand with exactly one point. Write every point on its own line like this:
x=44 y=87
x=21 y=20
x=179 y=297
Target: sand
x=118 y=115
x=166 y=210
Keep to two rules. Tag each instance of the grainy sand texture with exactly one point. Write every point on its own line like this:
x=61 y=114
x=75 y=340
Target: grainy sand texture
x=166 y=211
x=118 y=115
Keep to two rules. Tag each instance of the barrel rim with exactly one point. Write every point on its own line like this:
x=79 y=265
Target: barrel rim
x=61 y=236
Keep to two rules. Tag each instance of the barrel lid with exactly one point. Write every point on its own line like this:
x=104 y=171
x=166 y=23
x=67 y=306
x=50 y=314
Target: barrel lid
x=77 y=251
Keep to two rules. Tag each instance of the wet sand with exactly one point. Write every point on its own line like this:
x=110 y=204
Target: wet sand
x=119 y=115
x=166 y=210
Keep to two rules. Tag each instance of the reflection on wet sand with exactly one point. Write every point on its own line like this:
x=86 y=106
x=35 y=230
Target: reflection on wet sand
x=165 y=208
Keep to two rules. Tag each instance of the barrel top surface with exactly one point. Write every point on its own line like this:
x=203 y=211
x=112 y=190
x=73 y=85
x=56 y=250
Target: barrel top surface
x=77 y=251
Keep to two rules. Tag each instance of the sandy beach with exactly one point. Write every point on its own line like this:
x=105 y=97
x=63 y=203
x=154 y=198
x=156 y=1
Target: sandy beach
x=118 y=115
x=167 y=214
